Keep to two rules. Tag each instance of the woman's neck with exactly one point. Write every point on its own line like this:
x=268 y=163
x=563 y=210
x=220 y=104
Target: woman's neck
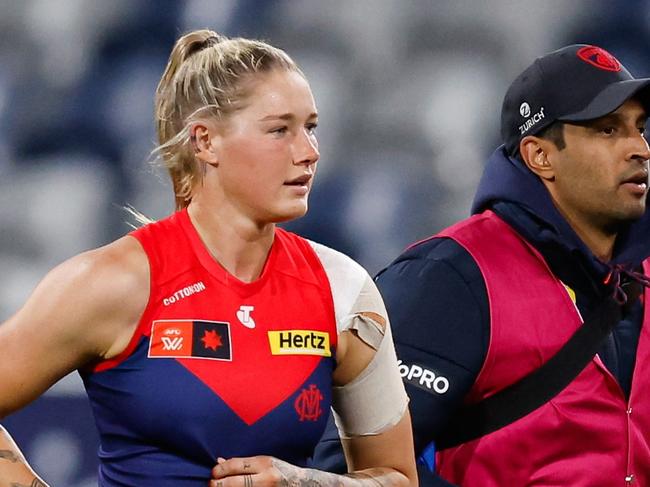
x=240 y=245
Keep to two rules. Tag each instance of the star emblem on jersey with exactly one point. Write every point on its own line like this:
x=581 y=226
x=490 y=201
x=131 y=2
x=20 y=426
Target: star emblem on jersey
x=211 y=340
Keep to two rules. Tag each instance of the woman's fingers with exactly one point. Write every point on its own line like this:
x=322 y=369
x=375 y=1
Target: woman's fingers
x=256 y=471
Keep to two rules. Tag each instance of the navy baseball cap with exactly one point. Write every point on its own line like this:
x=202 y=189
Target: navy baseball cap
x=576 y=83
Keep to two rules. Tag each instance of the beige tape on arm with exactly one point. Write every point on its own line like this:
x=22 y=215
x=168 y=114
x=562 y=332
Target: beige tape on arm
x=375 y=400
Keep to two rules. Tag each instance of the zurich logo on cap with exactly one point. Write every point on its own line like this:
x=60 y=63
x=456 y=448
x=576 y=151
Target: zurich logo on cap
x=524 y=110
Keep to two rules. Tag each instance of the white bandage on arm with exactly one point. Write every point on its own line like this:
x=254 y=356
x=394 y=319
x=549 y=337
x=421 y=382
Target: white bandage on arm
x=375 y=400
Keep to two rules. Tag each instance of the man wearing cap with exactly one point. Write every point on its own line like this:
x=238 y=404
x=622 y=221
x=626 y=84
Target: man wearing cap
x=559 y=226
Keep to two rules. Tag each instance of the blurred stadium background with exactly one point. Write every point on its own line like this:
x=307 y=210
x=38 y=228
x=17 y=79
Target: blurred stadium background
x=408 y=91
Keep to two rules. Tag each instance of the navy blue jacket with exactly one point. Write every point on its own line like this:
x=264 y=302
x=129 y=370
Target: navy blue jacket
x=438 y=307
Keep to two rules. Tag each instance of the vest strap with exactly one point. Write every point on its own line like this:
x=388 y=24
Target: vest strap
x=540 y=386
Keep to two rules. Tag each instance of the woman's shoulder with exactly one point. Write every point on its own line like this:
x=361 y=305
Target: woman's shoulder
x=110 y=279
x=90 y=303
x=119 y=273
x=120 y=264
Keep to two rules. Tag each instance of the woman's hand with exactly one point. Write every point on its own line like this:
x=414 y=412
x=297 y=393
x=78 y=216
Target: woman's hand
x=262 y=471
x=265 y=471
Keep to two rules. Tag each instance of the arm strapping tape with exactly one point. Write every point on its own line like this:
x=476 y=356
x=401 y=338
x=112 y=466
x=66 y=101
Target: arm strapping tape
x=375 y=400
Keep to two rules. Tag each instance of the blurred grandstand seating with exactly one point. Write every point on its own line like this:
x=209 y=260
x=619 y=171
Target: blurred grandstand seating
x=408 y=94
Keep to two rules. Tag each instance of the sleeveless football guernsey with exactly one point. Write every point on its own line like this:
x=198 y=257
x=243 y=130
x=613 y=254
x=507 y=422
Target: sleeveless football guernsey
x=218 y=367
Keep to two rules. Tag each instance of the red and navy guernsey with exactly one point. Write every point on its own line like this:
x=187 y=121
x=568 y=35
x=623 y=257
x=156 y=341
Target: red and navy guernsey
x=218 y=367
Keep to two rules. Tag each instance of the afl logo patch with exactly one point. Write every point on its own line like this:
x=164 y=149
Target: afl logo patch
x=599 y=58
x=190 y=339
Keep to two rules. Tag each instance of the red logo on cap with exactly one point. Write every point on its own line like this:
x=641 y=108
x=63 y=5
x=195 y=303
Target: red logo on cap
x=599 y=57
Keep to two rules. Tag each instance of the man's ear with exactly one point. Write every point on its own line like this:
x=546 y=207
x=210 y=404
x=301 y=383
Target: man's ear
x=535 y=154
x=203 y=137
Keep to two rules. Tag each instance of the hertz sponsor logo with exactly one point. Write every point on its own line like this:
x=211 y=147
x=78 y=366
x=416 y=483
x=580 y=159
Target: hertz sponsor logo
x=300 y=342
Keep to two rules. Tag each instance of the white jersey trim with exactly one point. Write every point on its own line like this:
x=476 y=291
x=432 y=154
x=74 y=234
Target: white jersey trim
x=346 y=277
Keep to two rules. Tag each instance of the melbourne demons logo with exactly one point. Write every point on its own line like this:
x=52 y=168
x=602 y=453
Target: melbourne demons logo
x=307 y=404
x=600 y=58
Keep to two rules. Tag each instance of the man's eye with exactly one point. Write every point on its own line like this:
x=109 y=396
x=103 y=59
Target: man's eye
x=279 y=130
x=608 y=130
x=311 y=127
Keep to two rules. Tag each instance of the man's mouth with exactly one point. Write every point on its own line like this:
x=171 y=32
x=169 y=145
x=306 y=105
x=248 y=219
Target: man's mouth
x=638 y=181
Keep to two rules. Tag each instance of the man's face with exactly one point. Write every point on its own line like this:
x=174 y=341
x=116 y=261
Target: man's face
x=601 y=176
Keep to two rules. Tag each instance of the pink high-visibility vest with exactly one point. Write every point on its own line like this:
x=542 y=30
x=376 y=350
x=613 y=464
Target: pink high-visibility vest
x=589 y=434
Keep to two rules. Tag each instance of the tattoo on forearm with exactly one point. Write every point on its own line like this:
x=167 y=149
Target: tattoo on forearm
x=9 y=455
x=292 y=476
x=35 y=483
x=301 y=477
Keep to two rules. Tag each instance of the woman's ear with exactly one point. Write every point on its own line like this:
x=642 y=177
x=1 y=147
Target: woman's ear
x=203 y=138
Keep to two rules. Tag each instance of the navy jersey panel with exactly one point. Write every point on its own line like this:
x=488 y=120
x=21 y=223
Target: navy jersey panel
x=146 y=436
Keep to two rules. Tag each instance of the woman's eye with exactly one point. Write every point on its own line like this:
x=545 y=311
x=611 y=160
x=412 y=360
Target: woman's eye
x=279 y=130
x=311 y=127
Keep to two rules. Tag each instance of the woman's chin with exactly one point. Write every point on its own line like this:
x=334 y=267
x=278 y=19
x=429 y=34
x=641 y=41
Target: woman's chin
x=290 y=212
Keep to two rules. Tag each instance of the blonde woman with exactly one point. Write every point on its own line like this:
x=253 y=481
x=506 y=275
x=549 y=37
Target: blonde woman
x=212 y=343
